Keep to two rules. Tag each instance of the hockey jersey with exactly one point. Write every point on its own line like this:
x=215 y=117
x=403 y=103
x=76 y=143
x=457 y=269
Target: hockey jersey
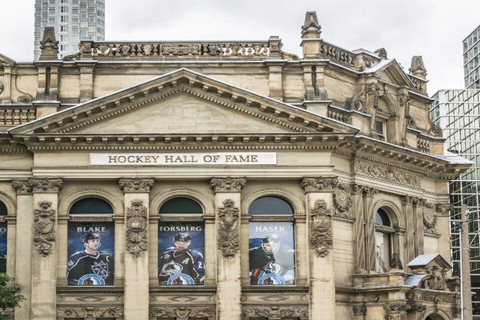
x=86 y=269
x=173 y=263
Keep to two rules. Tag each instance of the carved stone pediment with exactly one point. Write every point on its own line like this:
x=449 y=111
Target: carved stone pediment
x=183 y=102
x=431 y=271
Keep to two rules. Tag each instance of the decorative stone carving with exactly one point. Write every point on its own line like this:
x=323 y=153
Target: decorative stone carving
x=180 y=49
x=417 y=309
x=429 y=218
x=319 y=184
x=137 y=228
x=275 y=312
x=382 y=53
x=49 y=45
x=429 y=296
x=321 y=236
x=136 y=185
x=396 y=308
x=46 y=185
x=22 y=187
x=89 y=312
x=386 y=173
x=395 y=262
x=25 y=98
x=369 y=192
x=360 y=309
x=184 y=312
x=228 y=233
x=44 y=227
x=342 y=199
x=443 y=208
x=90 y=299
x=227 y=184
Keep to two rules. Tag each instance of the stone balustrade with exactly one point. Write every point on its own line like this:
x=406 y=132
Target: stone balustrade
x=15 y=115
x=424 y=145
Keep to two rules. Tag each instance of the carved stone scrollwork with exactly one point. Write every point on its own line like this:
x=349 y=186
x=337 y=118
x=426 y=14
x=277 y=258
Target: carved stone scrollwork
x=184 y=312
x=282 y=312
x=137 y=228
x=321 y=235
x=89 y=312
x=386 y=173
x=46 y=185
x=136 y=185
x=228 y=233
x=44 y=226
x=417 y=309
x=407 y=201
x=227 y=184
x=360 y=309
x=319 y=184
x=396 y=310
x=342 y=199
x=429 y=218
x=22 y=187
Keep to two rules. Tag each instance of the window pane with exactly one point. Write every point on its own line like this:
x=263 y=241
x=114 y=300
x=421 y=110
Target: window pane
x=181 y=251
x=3 y=209
x=381 y=218
x=91 y=206
x=270 y=205
x=272 y=253
x=382 y=249
x=181 y=205
x=87 y=264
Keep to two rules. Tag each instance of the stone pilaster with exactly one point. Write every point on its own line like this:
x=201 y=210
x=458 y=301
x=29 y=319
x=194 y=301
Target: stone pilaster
x=137 y=199
x=407 y=207
x=5 y=91
x=319 y=200
x=418 y=205
x=228 y=207
x=86 y=80
x=275 y=78
x=369 y=194
x=359 y=228
x=23 y=251
x=44 y=248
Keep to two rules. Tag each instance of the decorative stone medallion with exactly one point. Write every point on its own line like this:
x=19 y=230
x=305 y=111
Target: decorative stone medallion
x=137 y=228
x=342 y=199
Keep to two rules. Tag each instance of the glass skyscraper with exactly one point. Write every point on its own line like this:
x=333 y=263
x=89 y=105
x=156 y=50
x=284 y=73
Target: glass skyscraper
x=458 y=114
x=471 y=57
x=74 y=20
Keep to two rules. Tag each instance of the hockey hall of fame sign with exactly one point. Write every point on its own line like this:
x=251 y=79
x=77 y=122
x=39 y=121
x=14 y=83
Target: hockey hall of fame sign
x=178 y=159
x=181 y=251
x=90 y=253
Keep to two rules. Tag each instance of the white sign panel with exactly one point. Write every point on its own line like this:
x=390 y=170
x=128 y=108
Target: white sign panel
x=168 y=159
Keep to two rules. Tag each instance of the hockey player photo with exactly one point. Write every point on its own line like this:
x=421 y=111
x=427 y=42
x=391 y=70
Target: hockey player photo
x=3 y=247
x=181 y=254
x=272 y=254
x=91 y=264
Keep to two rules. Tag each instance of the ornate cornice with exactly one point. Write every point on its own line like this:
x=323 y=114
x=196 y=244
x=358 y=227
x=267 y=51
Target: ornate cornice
x=46 y=185
x=136 y=185
x=22 y=187
x=227 y=184
x=387 y=174
x=319 y=184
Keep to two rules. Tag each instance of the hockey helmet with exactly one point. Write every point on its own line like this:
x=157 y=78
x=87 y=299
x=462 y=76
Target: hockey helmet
x=273 y=243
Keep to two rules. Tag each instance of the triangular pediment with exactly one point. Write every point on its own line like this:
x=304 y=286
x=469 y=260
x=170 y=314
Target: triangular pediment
x=391 y=72
x=182 y=102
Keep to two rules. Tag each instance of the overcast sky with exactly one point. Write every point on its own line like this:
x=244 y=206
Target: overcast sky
x=431 y=28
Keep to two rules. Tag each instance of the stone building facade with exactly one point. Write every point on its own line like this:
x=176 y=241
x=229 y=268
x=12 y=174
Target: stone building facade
x=335 y=149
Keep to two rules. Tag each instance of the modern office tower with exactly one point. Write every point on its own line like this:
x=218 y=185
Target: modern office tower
x=458 y=114
x=471 y=57
x=73 y=20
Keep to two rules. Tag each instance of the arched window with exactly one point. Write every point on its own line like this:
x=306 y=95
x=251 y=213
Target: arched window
x=3 y=238
x=383 y=241
x=271 y=242
x=181 y=244
x=91 y=243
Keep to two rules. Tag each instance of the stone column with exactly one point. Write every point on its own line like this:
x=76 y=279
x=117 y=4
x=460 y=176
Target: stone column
x=137 y=199
x=227 y=207
x=409 y=229
x=418 y=207
x=44 y=250
x=23 y=249
x=369 y=194
x=319 y=201
x=359 y=229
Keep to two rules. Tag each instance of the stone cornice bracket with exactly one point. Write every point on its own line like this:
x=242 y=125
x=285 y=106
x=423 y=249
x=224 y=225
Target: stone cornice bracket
x=319 y=184
x=321 y=233
x=136 y=185
x=228 y=230
x=44 y=227
x=443 y=209
x=227 y=184
x=137 y=228
x=46 y=185
x=370 y=192
x=22 y=187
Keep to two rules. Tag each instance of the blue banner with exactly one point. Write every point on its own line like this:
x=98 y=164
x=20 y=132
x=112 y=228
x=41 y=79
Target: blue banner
x=181 y=250
x=3 y=247
x=91 y=248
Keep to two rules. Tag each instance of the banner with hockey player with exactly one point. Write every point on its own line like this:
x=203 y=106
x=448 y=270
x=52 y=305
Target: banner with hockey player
x=181 y=251
x=90 y=253
x=272 y=253
x=3 y=247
